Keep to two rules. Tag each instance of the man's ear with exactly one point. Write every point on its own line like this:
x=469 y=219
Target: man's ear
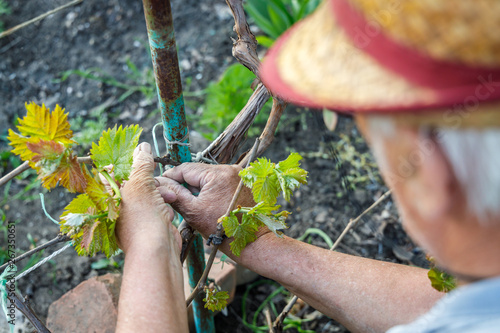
x=426 y=185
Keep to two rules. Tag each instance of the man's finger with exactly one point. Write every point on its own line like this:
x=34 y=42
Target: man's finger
x=168 y=195
x=184 y=200
x=143 y=164
x=193 y=174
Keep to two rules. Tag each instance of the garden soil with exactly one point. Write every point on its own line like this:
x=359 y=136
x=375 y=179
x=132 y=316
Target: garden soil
x=110 y=35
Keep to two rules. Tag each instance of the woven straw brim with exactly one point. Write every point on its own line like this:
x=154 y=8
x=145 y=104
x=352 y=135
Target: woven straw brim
x=315 y=64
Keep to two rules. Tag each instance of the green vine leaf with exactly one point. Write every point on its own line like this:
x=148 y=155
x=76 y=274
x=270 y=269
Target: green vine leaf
x=440 y=280
x=116 y=147
x=243 y=232
x=274 y=222
x=290 y=175
x=89 y=223
x=215 y=301
x=266 y=180
x=261 y=178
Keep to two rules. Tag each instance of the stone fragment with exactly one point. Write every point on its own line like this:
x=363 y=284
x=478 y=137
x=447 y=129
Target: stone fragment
x=90 y=307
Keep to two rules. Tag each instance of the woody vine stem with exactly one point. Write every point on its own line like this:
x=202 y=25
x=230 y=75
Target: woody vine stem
x=220 y=232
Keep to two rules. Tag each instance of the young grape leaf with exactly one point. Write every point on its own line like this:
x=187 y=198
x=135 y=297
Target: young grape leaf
x=243 y=233
x=81 y=205
x=440 y=280
x=54 y=163
x=97 y=191
x=261 y=178
x=263 y=208
x=97 y=233
x=40 y=124
x=215 y=301
x=274 y=222
x=116 y=147
x=74 y=220
x=88 y=235
x=290 y=175
x=266 y=179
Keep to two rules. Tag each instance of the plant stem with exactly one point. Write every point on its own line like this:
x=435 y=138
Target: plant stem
x=269 y=320
x=166 y=160
x=112 y=183
x=20 y=169
x=25 y=166
x=24 y=307
x=59 y=239
x=187 y=236
x=278 y=323
x=220 y=232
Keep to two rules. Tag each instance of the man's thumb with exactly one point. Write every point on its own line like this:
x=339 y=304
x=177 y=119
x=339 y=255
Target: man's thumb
x=143 y=164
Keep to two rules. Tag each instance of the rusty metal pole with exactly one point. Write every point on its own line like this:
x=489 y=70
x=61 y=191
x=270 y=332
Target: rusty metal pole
x=161 y=35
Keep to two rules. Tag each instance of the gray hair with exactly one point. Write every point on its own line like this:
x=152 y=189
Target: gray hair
x=474 y=156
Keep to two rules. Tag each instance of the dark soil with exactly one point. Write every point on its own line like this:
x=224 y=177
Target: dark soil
x=105 y=34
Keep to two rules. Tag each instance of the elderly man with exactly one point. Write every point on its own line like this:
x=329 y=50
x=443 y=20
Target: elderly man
x=423 y=79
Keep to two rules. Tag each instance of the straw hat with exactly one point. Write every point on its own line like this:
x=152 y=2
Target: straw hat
x=393 y=56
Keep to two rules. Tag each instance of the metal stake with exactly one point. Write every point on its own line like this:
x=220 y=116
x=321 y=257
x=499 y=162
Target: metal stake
x=161 y=35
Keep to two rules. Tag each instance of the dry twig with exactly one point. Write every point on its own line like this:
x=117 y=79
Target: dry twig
x=187 y=236
x=278 y=323
x=26 y=309
x=38 y=18
x=166 y=160
x=225 y=146
x=269 y=320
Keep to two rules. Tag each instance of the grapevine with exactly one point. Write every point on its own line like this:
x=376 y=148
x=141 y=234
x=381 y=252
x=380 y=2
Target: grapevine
x=45 y=141
x=267 y=180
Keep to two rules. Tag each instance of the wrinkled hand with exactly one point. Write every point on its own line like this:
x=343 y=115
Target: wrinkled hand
x=214 y=186
x=144 y=216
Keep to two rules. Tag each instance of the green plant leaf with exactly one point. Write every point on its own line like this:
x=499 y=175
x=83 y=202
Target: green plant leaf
x=290 y=175
x=243 y=232
x=215 y=301
x=263 y=208
x=116 y=147
x=95 y=234
x=277 y=18
x=311 y=5
x=262 y=179
x=263 y=22
x=280 y=8
x=296 y=6
x=265 y=41
x=101 y=263
x=441 y=281
x=274 y=222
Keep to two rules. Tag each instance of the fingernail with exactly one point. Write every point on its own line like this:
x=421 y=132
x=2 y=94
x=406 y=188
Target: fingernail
x=145 y=147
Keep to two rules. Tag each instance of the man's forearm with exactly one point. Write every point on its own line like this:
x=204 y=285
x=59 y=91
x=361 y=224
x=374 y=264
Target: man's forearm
x=152 y=292
x=363 y=294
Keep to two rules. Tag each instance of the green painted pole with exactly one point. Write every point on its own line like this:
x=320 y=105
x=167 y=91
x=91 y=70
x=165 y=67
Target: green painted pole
x=161 y=35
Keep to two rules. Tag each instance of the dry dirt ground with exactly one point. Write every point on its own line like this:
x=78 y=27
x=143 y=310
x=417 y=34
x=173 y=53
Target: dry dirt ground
x=103 y=34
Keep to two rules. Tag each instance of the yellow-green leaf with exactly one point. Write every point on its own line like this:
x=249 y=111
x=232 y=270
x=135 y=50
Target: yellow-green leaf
x=40 y=124
x=261 y=178
x=243 y=233
x=215 y=301
x=441 y=281
x=116 y=147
